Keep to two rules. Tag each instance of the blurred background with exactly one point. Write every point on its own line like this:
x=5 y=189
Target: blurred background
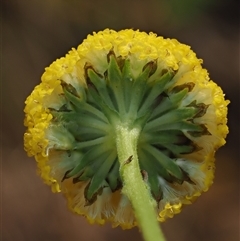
x=35 y=33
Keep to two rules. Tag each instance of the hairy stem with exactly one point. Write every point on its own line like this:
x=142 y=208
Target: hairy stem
x=133 y=185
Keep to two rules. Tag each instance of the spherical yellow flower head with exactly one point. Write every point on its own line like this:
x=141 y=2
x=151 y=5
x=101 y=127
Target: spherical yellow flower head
x=140 y=80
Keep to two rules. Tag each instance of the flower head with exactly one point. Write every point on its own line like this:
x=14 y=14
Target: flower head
x=135 y=80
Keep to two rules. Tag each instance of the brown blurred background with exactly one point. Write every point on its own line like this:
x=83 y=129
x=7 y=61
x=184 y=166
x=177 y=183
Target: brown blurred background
x=35 y=33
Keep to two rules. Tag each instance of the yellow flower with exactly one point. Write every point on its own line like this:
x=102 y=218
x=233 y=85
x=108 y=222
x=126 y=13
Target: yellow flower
x=127 y=78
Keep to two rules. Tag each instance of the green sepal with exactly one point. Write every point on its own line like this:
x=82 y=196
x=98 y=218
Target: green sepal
x=89 y=157
x=172 y=101
x=146 y=164
x=113 y=177
x=74 y=116
x=167 y=163
x=89 y=171
x=127 y=82
x=154 y=93
x=83 y=144
x=142 y=120
x=165 y=137
x=72 y=121
x=169 y=118
x=81 y=107
x=93 y=97
x=115 y=82
x=140 y=87
x=114 y=71
x=100 y=84
x=178 y=150
x=180 y=125
x=99 y=176
x=127 y=76
x=84 y=175
x=154 y=164
x=110 y=113
x=85 y=133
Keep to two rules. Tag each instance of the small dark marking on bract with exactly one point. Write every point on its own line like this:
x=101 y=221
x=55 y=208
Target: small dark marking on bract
x=111 y=53
x=120 y=62
x=152 y=65
x=66 y=175
x=189 y=86
x=187 y=178
x=164 y=71
x=87 y=66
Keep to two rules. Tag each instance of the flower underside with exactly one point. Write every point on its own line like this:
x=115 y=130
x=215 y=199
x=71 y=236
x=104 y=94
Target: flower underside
x=75 y=114
x=149 y=102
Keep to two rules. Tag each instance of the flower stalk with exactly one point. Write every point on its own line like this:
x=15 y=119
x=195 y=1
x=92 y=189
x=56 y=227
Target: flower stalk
x=134 y=186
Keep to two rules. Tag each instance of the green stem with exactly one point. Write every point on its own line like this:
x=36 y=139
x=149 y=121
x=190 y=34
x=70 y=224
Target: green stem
x=133 y=185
